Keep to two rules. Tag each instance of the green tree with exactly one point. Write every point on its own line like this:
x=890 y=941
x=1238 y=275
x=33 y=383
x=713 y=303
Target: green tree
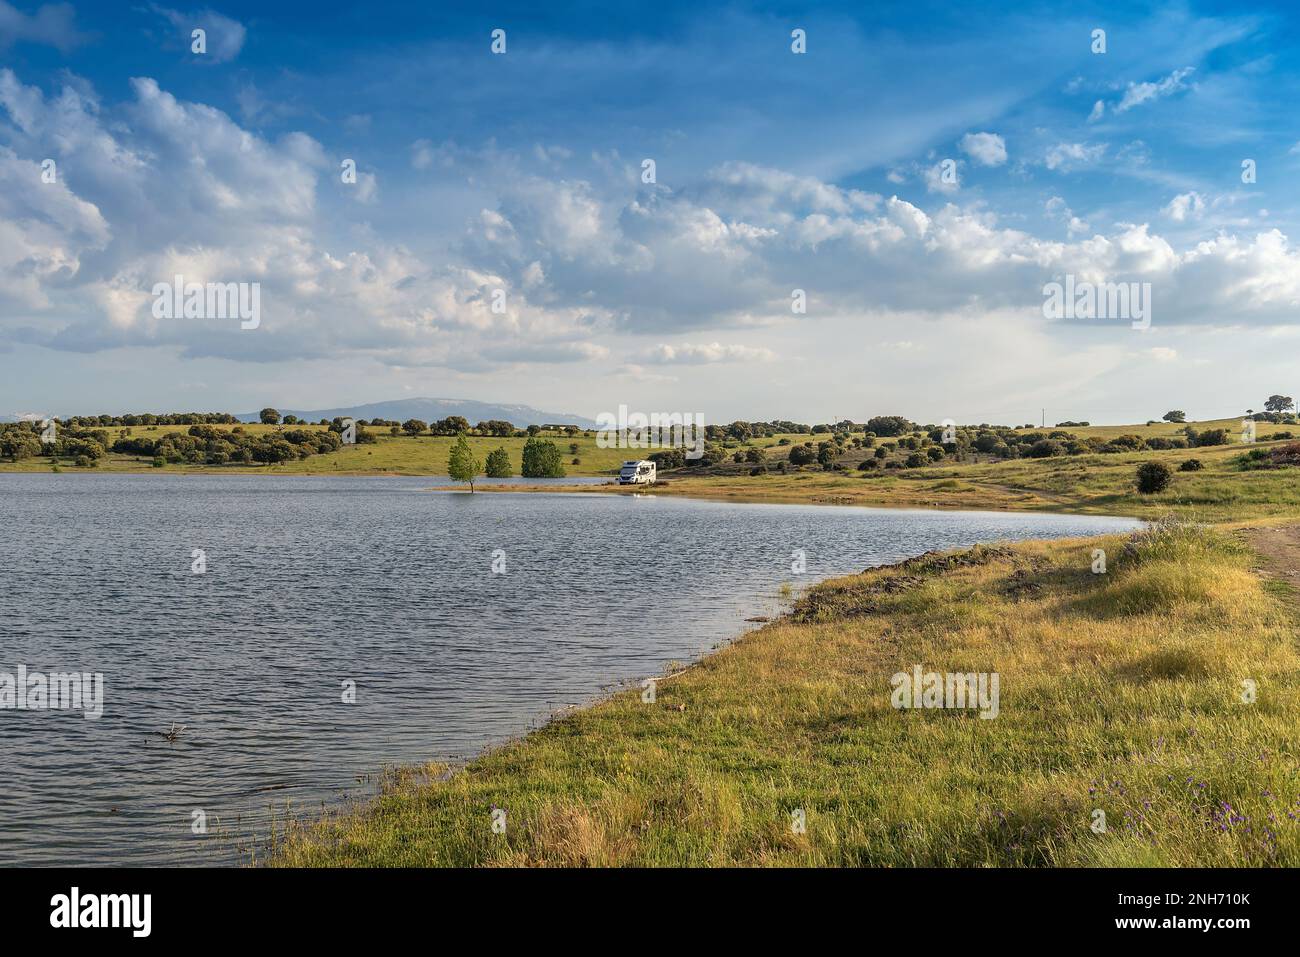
x=498 y=464
x=1176 y=415
x=19 y=444
x=542 y=459
x=888 y=425
x=414 y=426
x=269 y=417
x=461 y=464
x=1279 y=403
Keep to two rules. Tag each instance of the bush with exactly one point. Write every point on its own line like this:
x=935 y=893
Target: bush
x=668 y=459
x=498 y=464
x=1191 y=465
x=1046 y=448
x=1208 y=437
x=1287 y=455
x=1153 y=477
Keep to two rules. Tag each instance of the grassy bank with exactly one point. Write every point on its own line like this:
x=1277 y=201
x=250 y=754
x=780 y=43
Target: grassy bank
x=1119 y=692
x=1094 y=484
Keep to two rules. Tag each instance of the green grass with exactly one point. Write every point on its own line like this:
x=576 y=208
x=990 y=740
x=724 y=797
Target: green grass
x=1094 y=484
x=400 y=455
x=1119 y=692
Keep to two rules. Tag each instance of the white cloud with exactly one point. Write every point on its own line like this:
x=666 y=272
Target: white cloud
x=581 y=262
x=1065 y=156
x=1185 y=206
x=52 y=25
x=1098 y=111
x=940 y=178
x=987 y=149
x=1056 y=208
x=421 y=154
x=224 y=36
x=1138 y=93
x=702 y=353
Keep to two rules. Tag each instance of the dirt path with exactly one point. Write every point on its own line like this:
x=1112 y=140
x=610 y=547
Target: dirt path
x=1279 y=547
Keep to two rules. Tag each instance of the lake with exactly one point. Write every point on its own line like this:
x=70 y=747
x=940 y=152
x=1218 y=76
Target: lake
x=314 y=585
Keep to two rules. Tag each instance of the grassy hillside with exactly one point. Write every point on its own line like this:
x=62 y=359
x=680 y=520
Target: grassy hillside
x=1119 y=693
x=1098 y=484
x=402 y=455
x=1088 y=482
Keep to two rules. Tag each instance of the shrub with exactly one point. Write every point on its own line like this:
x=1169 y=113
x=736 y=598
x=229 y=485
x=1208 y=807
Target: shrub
x=1153 y=477
x=1191 y=465
x=1046 y=449
x=498 y=464
x=1287 y=455
x=669 y=459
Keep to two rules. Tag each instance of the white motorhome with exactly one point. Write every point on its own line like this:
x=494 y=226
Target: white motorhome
x=637 y=473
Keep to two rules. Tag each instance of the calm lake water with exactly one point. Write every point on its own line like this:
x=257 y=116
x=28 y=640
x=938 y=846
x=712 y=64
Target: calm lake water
x=311 y=582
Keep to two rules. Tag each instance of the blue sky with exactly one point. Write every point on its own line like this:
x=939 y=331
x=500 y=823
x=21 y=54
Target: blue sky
x=774 y=171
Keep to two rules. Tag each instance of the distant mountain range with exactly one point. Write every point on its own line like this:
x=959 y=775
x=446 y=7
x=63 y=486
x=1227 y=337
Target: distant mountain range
x=430 y=410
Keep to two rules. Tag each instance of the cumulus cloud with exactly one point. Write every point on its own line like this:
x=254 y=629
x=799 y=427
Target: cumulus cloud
x=987 y=149
x=1056 y=208
x=551 y=269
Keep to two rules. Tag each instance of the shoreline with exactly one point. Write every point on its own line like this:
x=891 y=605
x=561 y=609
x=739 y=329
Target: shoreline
x=321 y=836
x=708 y=773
